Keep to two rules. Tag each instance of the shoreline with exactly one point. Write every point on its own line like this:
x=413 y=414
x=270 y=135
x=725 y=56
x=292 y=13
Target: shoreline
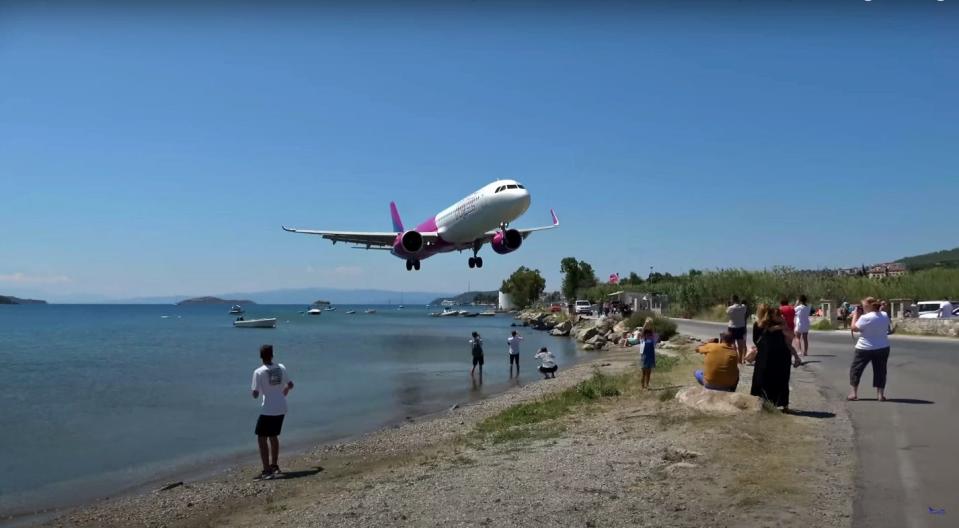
x=401 y=458
x=185 y=469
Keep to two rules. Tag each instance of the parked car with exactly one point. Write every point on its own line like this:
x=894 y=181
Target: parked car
x=930 y=309
x=556 y=307
x=583 y=307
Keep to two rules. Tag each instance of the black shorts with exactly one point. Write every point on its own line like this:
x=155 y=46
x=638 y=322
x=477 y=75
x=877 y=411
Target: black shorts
x=269 y=425
x=478 y=360
x=548 y=370
x=514 y=358
x=737 y=333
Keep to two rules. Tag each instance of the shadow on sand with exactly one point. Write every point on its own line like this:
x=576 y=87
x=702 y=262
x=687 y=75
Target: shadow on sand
x=298 y=474
x=810 y=414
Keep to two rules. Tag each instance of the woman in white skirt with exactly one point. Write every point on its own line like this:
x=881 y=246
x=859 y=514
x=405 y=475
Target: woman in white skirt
x=802 y=325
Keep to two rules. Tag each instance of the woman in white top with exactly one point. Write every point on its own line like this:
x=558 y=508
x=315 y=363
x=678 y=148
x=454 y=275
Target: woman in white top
x=802 y=325
x=872 y=347
x=547 y=363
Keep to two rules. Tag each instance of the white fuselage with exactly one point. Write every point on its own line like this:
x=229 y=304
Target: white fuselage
x=486 y=209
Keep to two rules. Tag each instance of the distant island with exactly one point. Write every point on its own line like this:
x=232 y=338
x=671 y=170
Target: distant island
x=478 y=297
x=212 y=300
x=9 y=299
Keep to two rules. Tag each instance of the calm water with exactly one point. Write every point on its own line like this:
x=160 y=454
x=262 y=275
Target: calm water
x=100 y=398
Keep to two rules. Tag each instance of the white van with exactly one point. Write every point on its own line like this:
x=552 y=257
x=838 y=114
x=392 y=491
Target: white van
x=930 y=309
x=583 y=307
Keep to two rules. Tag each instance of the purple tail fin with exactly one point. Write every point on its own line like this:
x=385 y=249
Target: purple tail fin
x=397 y=223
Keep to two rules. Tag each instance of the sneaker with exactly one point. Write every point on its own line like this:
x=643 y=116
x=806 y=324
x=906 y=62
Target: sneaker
x=266 y=474
x=275 y=469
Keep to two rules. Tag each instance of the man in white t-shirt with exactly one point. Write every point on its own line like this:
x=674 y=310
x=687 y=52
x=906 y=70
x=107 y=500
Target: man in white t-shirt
x=272 y=383
x=512 y=343
x=945 y=310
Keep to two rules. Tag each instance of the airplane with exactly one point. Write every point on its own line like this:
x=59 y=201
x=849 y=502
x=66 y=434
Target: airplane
x=482 y=217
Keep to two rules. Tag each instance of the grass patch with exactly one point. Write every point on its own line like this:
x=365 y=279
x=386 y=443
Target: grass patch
x=527 y=420
x=666 y=363
x=823 y=324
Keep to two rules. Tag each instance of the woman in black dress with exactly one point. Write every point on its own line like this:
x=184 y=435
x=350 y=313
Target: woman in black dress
x=771 y=375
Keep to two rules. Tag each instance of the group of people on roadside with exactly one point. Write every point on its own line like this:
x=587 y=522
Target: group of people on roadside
x=547 y=361
x=773 y=354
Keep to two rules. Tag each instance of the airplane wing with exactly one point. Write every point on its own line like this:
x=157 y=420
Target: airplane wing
x=526 y=232
x=363 y=239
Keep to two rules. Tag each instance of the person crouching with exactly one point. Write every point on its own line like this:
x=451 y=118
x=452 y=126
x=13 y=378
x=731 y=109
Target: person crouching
x=547 y=363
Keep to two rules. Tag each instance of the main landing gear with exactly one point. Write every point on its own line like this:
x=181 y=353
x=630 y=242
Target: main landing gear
x=474 y=261
x=412 y=264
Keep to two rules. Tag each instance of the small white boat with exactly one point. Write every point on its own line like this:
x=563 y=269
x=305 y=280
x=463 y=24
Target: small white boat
x=236 y=309
x=255 y=323
x=469 y=314
x=448 y=313
x=350 y=312
x=371 y=311
x=330 y=309
x=488 y=313
x=314 y=311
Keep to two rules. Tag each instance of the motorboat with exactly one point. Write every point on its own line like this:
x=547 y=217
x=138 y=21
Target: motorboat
x=488 y=313
x=371 y=311
x=330 y=309
x=350 y=312
x=448 y=313
x=314 y=311
x=469 y=314
x=255 y=323
x=236 y=309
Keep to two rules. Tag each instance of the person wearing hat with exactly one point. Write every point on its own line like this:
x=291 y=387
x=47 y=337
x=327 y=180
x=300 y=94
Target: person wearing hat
x=547 y=363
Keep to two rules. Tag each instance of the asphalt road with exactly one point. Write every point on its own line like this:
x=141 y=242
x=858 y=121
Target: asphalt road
x=908 y=447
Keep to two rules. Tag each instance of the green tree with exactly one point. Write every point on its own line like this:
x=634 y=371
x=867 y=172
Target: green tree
x=634 y=279
x=524 y=286
x=577 y=276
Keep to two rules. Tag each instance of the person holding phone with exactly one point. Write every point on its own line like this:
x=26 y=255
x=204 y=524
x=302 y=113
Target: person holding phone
x=872 y=325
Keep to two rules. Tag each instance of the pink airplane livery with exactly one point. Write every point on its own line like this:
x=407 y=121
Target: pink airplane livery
x=480 y=218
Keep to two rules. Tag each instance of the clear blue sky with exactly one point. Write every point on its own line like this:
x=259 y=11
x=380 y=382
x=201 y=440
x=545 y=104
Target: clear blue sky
x=153 y=151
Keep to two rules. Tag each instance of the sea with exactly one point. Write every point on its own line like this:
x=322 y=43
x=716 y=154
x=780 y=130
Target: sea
x=99 y=400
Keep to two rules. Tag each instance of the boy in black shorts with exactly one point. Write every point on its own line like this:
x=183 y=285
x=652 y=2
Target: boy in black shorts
x=272 y=382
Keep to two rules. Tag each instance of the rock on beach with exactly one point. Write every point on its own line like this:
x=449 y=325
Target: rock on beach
x=718 y=402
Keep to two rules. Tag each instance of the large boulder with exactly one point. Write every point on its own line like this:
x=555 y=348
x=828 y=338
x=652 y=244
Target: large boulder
x=621 y=327
x=559 y=332
x=718 y=402
x=564 y=326
x=597 y=341
x=589 y=347
x=585 y=334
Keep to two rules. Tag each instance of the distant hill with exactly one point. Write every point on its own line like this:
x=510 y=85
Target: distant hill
x=212 y=300
x=6 y=299
x=479 y=297
x=939 y=259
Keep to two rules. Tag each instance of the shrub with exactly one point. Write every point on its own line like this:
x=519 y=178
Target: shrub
x=823 y=324
x=663 y=327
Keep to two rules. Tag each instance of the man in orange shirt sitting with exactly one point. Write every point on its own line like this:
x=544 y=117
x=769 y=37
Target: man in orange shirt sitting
x=720 y=366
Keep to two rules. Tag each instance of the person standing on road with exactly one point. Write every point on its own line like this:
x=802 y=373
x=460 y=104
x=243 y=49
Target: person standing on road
x=945 y=310
x=512 y=344
x=872 y=347
x=771 y=376
x=788 y=313
x=272 y=383
x=476 y=346
x=737 y=325
x=802 y=324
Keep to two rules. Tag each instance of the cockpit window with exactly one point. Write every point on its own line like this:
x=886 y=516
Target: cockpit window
x=510 y=186
x=498 y=189
x=520 y=186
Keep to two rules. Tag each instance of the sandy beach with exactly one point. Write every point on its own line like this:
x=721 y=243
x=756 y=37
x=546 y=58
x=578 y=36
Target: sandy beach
x=637 y=459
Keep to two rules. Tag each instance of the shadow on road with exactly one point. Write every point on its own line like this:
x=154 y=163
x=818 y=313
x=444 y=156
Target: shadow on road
x=821 y=355
x=298 y=474
x=810 y=414
x=910 y=401
x=813 y=361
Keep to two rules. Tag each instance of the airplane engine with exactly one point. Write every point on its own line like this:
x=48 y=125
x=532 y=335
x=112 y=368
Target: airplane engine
x=409 y=243
x=506 y=241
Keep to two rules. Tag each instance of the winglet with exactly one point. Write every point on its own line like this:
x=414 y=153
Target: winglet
x=397 y=223
x=555 y=219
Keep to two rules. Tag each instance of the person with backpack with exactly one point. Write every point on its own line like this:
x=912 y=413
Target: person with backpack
x=476 y=345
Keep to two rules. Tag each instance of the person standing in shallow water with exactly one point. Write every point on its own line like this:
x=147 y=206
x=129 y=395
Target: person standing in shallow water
x=272 y=383
x=512 y=345
x=476 y=346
